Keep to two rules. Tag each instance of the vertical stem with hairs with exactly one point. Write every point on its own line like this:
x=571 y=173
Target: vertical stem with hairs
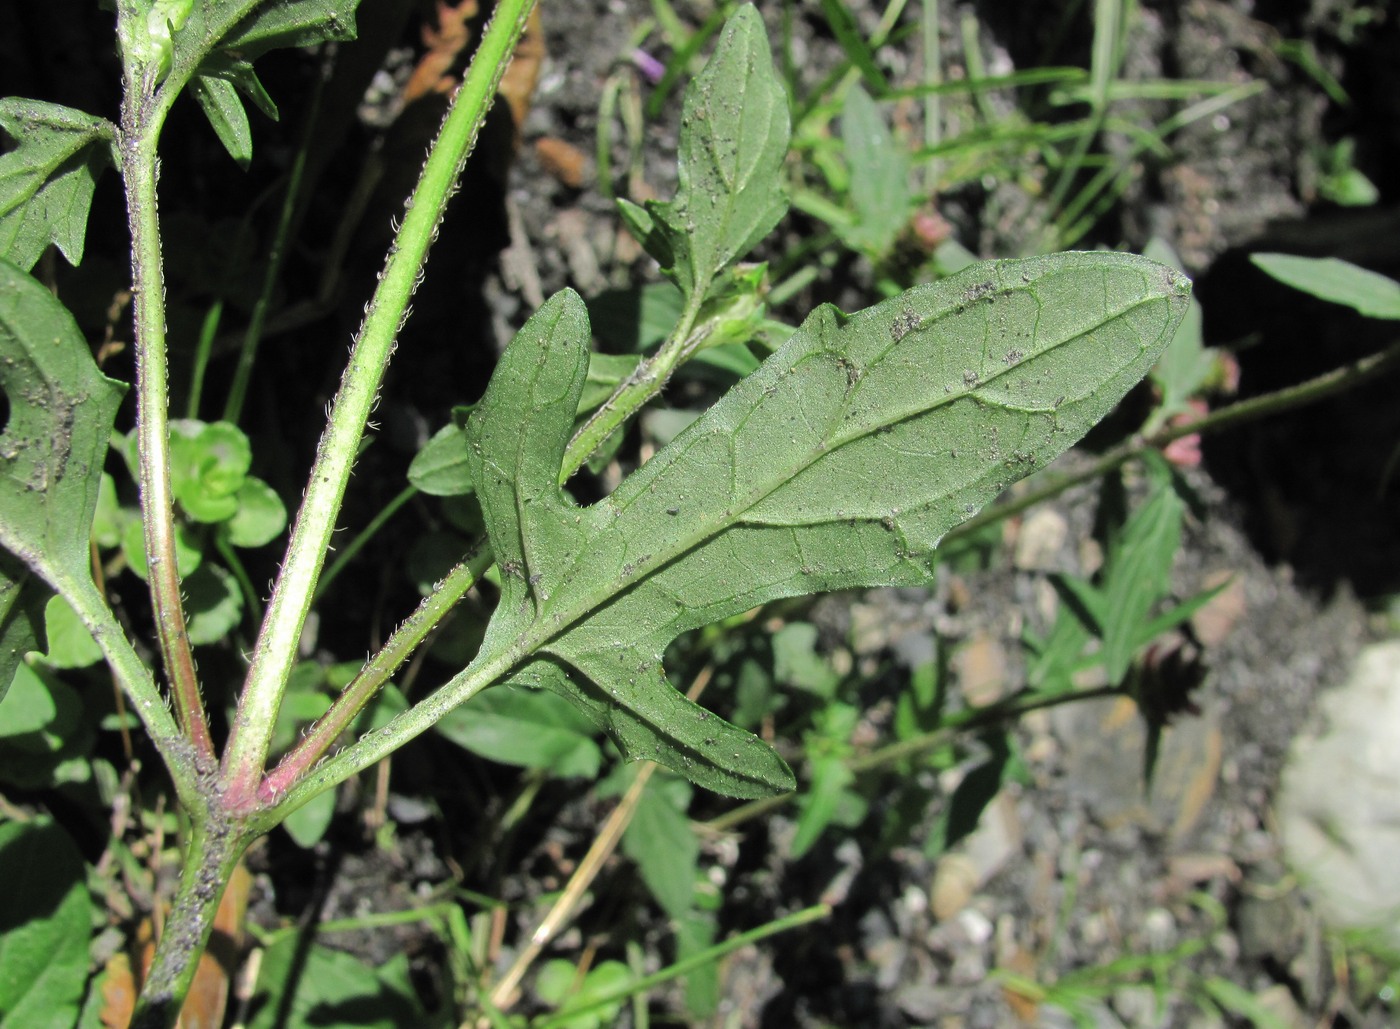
x=275 y=651
x=140 y=131
x=211 y=853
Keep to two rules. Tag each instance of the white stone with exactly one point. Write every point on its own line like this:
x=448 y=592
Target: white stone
x=1339 y=800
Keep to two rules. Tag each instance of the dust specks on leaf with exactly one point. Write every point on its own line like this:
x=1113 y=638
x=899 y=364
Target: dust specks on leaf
x=978 y=291
x=904 y=323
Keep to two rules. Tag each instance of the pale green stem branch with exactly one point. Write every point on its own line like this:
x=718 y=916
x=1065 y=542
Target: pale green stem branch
x=319 y=739
x=275 y=651
x=139 y=170
x=380 y=743
x=135 y=680
x=649 y=379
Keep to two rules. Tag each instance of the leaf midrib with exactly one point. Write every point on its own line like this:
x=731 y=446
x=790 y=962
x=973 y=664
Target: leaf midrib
x=550 y=622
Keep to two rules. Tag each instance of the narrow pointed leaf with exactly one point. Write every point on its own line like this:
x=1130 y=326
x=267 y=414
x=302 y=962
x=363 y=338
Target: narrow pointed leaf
x=1341 y=282
x=241 y=74
x=840 y=463
x=22 y=598
x=53 y=447
x=222 y=106
x=1139 y=576
x=47 y=180
x=284 y=23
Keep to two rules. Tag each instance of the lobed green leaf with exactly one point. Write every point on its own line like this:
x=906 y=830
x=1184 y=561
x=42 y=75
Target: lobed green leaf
x=840 y=463
x=47 y=181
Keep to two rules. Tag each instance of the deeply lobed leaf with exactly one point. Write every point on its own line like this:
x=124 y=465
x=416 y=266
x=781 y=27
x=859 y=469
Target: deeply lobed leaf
x=840 y=463
x=47 y=181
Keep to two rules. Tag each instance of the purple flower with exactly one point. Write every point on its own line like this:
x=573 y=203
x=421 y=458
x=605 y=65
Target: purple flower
x=649 y=66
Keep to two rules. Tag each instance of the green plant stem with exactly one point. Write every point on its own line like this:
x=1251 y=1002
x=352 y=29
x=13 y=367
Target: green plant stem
x=140 y=687
x=275 y=650
x=933 y=102
x=304 y=782
x=211 y=854
x=318 y=740
x=649 y=379
x=208 y=330
x=245 y=585
x=139 y=164
x=1287 y=399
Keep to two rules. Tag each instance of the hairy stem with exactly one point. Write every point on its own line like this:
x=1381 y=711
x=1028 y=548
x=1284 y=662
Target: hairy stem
x=211 y=853
x=319 y=739
x=275 y=651
x=137 y=683
x=649 y=379
x=140 y=131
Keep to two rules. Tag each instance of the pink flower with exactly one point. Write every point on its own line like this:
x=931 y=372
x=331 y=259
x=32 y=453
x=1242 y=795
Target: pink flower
x=1185 y=451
